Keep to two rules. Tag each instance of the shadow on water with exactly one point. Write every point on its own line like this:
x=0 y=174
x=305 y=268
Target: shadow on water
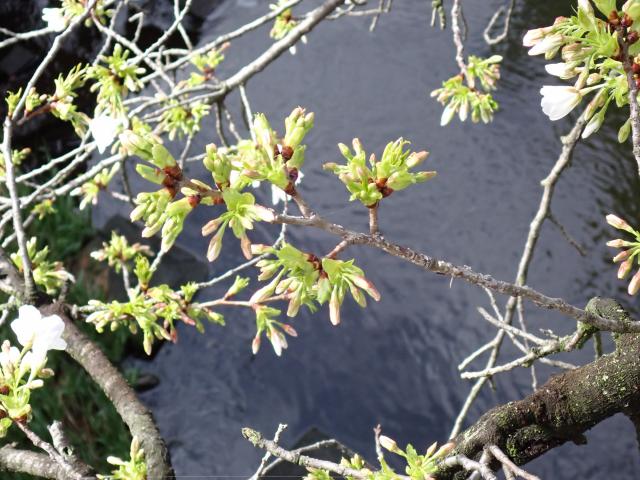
x=395 y=362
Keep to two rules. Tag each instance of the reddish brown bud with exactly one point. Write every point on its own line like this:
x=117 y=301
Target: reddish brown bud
x=290 y=189
x=627 y=21
x=381 y=183
x=194 y=200
x=292 y=173
x=4 y=389
x=174 y=172
x=632 y=37
x=636 y=68
x=386 y=191
x=287 y=152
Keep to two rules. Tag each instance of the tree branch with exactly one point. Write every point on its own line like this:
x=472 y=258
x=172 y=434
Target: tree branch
x=563 y=409
x=32 y=463
x=134 y=414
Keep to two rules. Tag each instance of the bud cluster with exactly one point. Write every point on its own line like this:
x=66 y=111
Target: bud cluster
x=89 y=190
x=206 y=65
x=307 y=280
x=47 y=274
x=17 y=157
x=629 y=253
x=118 y=252
x=153 y=310
x=284 y=23
x=419 y=466
x=460 y=95
x=241 y=212
x=133 y=469
x=114 y=78
x=371 y=182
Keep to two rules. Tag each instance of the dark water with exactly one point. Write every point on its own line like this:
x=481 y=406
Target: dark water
x=395 y=362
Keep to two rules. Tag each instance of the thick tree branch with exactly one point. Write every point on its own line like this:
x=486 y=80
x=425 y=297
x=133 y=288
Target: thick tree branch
x=134 y=414
x=32 y=463
x=563 y=409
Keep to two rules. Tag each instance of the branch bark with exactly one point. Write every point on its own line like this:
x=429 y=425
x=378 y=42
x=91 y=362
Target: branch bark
x=32 y=463
x=563 y=409
x=134 y=414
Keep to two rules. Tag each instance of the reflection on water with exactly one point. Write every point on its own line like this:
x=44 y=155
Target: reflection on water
x=395 y=363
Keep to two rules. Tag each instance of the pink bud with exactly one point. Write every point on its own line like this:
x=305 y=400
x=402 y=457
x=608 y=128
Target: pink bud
x=622 y=256
x=634 y=284
x=617 y=222
x=245 y=245
x=289 y=330
x=367 y=286
x=334 y=307
x=388 y=443
x=617 y=243
x=255 y=345
x=625 y=268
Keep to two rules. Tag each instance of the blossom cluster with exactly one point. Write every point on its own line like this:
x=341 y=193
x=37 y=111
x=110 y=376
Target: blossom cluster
x=594 y=46
x=461 y=95
x=47 y=274
x=23 y=370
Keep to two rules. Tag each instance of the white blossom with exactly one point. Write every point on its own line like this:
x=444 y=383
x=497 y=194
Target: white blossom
x=548 y=44
x=55 y=19
x=559 y=101
x=42 y=333
x=104 y=129
x=561 y=70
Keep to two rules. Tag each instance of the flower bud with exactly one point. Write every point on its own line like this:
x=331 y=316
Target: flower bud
x=388 y=444
x=260 y=248
x=444 y=450
x=624 y=132
x=162 y=158
x=265 y=292
x=625 y=268
x=289 y=330
x=416 y=158
x=263 y=213
x=617 y=222
x=135 y=144
x=215 y=245
x=366 y=285
x=634 y=284
x=150 y=174
x=346 y=152
x=245 y=246
x=255 y=344
x=431 y=449
x=334 y=307
x=618 y=243
x=622 y=256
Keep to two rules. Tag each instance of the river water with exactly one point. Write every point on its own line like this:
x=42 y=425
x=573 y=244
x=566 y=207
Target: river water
x=395 y=362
